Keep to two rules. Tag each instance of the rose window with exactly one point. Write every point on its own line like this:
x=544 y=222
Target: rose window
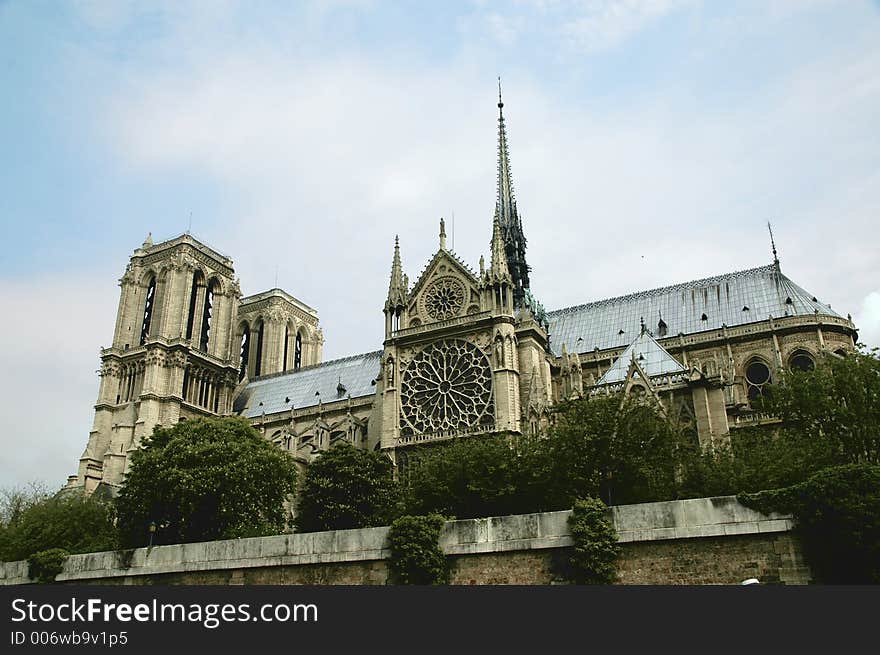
x=444 y=298
x=447 y=387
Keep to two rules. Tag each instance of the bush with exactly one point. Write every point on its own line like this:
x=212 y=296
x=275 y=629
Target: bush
x=346 y=488
x=46 y=564
x=595 y=543
x=838 y=517
x=416 y=557
x=76 y=523
x=205 y=479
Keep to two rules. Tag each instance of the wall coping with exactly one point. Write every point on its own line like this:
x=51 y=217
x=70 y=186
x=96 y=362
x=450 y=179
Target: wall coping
x=680 y=519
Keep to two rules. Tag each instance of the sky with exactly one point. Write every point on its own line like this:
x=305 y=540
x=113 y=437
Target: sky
x=650 y=144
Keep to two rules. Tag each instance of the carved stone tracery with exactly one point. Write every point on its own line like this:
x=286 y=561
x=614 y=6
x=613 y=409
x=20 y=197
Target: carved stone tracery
x=444 y=298
x=446 y=388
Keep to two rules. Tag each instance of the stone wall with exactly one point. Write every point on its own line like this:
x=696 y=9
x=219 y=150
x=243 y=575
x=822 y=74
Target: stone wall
x=699 y=541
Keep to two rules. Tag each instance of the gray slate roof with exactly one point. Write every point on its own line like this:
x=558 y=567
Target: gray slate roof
x=611 y=323
x=355 y=373
x=723 y=299
x=651 y=357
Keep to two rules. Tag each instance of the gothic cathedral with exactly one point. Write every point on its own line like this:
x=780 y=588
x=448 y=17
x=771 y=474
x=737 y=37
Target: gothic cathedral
x=466 y=353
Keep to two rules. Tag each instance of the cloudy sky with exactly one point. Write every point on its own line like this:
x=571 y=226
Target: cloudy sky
x=650 y=144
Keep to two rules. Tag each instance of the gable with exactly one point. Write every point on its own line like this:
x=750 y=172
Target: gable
x=446 y=289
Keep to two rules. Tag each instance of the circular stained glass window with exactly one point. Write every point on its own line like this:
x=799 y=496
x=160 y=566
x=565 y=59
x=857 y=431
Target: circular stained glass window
x=444 y=298
x=447 y=388
x=757 y=377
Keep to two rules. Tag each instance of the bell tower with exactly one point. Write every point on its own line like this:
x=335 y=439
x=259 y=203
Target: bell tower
x=172 y=355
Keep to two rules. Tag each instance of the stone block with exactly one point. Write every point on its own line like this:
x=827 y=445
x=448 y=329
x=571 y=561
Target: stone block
x=274 y=546
x=553 y=524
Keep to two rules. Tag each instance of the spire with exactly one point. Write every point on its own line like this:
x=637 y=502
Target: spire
x=397 y=286
x=505 y=201
x=442 y=234
x=773 y=246
x=506 y=214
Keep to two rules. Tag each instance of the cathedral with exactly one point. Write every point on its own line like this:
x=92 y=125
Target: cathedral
x=466 y=352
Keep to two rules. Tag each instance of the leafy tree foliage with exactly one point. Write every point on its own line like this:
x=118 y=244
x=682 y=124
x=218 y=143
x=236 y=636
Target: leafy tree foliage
x=46 y=564
x=830 y=417
x=416 y=557
x=68 y=521
x=836 y=405
x=838 y=517
x=205 y=479
x=594 y=560
x=346 y=488
x=464 y=478
x=620 y=450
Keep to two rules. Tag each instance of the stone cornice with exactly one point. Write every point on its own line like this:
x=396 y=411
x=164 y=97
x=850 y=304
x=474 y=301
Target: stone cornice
x=249 y=303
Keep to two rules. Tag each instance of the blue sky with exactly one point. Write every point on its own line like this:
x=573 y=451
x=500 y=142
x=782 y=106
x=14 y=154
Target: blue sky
x=651 y=142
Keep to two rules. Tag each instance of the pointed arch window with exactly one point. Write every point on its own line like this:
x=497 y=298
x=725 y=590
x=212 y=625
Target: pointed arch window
x=286 y=344
x=258 y=363
x=206 y=315
x=193 y=299
x=297 y=352
x=148 y=309
x=245 y=351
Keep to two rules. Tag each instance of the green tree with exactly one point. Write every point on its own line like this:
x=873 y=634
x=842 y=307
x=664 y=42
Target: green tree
x=835 y=407
x=68 y=521
x=830 y=417
x=346 y=488
x=205 y=479
x=464 y=478
x=618 y=449
x=838 y=517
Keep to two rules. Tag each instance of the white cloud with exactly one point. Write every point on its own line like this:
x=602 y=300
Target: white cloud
x=50 y=380
x=868 y=320
x=601 y=24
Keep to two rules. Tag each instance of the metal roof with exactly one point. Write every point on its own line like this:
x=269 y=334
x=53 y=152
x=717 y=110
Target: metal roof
x=305 y=387
x=651 y=357
x=731 y=299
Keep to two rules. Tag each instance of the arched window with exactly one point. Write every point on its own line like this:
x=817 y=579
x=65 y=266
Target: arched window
x=245 y=350
x=197 y=281
x=258 y=363
x=206 y=315
x=297 y=352
x=801 y=360
x=148 y=309
x=286 y=344
x=757 y=378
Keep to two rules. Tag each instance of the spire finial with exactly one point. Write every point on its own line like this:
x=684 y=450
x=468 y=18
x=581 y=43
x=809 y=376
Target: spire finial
x=500 y=103
x=442 y=234
x=773 y=245
x=397 y=285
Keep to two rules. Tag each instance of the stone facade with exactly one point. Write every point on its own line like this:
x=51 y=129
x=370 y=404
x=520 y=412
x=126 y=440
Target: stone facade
x=465 y=352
